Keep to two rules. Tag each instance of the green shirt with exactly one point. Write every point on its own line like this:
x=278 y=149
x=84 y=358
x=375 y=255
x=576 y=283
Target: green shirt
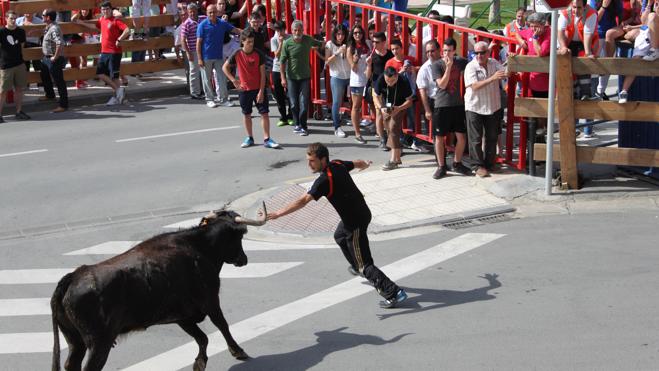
x=296 y=57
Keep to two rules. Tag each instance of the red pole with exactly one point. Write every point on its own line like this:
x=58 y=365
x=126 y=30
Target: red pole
x=289 y=20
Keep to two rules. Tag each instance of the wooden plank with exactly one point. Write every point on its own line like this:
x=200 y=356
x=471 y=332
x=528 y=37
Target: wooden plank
x=91 y=49
x=595 y=110
x=161 y=20
x=604 y=155
x=126 y=69
x=587 y=66
x=35 y=6
x=565 y=110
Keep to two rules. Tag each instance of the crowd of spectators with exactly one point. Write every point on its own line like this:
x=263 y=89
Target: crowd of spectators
x=222 y=48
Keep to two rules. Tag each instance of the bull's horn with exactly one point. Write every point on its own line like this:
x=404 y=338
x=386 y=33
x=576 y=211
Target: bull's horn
x=263 y=215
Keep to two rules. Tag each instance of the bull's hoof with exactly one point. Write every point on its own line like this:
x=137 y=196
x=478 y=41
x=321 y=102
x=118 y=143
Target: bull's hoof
x=199 y=365
x=239 y=353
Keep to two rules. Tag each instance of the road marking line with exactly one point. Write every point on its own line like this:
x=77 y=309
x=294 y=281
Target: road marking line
x=36 y=276
x=175 y=134
x=118 y=247
x=24 y=307
x=183 y=356
x=23 y=153
x=184 y=224
x=29 y=342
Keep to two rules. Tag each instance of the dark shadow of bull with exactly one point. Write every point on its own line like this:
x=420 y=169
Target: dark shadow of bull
x=170 y=278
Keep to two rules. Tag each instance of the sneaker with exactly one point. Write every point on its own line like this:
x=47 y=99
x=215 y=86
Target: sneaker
x=365 y=122
x=652 y=55
x=20 y=115
x=211 y=104
x=227 y=103
x=340 y=133
x=458 y=167
x=360 y=139
x=482 y=172
x=601 y=96
x=269 y=143
x=121 y=94
x=2 y=120
x=383 y=145
x=248 y=142
x=281 y=123
x=291 y=122
x=297 y=129
x=354 y=271
x=112 y=102
x=400 y=297
x=389 y=165
x=622 y=97
x=590 y=135
x=304 y=133
x=197 y=97
x=416 y=148
x=439 y=173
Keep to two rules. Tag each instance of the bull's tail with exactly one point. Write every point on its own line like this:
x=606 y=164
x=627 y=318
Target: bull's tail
x=56 y=308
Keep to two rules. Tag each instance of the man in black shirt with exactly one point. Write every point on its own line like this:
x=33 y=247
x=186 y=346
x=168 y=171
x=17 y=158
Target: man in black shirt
x=379 y=59
x=13 y=74
x=392 y=96
x=337 y=185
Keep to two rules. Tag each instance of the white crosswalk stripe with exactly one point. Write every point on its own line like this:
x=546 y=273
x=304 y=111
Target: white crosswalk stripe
x=29 y=342
x=24 y=307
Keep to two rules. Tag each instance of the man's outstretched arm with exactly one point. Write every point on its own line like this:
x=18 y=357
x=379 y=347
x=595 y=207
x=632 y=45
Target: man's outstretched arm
x=361 y=164
x=292 y=207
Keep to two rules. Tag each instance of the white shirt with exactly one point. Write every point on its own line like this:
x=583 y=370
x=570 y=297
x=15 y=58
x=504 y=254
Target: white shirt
x=589 y=27
x=339 y=67
x=487 y=99
x=424 y=80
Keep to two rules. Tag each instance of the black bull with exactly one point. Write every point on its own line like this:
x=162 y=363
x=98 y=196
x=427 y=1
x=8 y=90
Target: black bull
x=170 y=278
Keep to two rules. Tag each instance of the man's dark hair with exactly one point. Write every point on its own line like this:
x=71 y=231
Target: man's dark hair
x=248 y=33
x=446 y=19
x=106 y=4
x=432 y=12
x=390 y=71
x=433 y=42
x=319 y=150
x=397 y=42
x=380 y=36
x=521 y=8
x=451 y=42
x=279 y=25
x=50 y=13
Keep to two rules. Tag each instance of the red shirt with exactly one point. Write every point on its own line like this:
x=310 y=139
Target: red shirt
x=111 y=28
x=395 y=63
x=538 y=81
x=249 y=68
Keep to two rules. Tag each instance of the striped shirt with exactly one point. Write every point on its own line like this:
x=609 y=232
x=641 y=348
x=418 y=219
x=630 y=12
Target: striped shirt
x=52 y=37
x=486 y=100
x=189 y=32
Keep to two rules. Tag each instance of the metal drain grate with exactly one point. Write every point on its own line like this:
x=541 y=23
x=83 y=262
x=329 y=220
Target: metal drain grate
x=468 y=223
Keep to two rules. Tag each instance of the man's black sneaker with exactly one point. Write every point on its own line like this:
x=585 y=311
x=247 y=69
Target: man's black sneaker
x=2 y=121
x=354 y=271
x=20 y=115
x=602 y=96
x=439 y=173
x=401 y=295
x=458 y=167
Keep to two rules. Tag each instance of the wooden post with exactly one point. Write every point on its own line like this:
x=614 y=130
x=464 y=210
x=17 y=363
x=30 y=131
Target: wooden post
x=565 y=108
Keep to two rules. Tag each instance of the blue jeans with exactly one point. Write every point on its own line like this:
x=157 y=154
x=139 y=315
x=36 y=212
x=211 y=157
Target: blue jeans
x=298 y=94
x=338 y=87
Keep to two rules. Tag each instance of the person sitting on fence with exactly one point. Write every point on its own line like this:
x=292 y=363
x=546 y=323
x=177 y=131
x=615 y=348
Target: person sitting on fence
x=646 y=45
x=53 y=62
x=336 y=58
x=113 y=31
x=627 y=28
x=392 y=97
x=381 y=55
x=448 y=115
x=359 y=56
x=577 y=34
x=516 y=25
x=283 y=105
x=13 y=74
x=250 y=63
x=210 y=44
x=482 y=100
x=607 y=14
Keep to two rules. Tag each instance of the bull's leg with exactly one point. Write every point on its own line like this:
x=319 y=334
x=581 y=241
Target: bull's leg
x=77 y=349
x=202 y=340
x=218 y=320
x=98 y=355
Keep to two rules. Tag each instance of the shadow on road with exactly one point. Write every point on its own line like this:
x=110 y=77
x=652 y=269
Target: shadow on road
x=303 y=359
x=444 y=298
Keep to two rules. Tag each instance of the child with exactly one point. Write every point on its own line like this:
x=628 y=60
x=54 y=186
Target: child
x=251 y=68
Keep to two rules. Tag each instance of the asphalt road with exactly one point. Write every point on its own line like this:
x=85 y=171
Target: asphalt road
x=565 y=292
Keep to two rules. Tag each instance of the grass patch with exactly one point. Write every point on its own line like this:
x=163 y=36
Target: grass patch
x=508 y=8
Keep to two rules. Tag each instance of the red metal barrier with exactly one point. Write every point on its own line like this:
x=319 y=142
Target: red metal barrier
x=439 y=31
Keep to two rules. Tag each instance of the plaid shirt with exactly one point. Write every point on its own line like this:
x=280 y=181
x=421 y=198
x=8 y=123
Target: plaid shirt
x=51 y=39
x=189 y=32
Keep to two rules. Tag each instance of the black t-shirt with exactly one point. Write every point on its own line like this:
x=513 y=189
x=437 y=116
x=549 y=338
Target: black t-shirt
x=378 y=61
x=11 y=41
x=337 y=185
x=397 y=94
x=229 y=10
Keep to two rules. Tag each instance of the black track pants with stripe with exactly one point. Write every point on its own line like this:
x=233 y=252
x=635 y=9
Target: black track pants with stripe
x=355 y=248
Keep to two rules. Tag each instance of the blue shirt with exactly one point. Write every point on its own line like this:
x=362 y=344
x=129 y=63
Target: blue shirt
x=213 y=36
x=608 y=20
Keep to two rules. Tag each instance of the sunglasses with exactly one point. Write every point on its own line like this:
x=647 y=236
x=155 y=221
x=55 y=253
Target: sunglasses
x=481 y=52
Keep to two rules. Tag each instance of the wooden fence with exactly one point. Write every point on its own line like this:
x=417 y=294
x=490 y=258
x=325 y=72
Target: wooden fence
x=568 y=110
x=75 y=50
